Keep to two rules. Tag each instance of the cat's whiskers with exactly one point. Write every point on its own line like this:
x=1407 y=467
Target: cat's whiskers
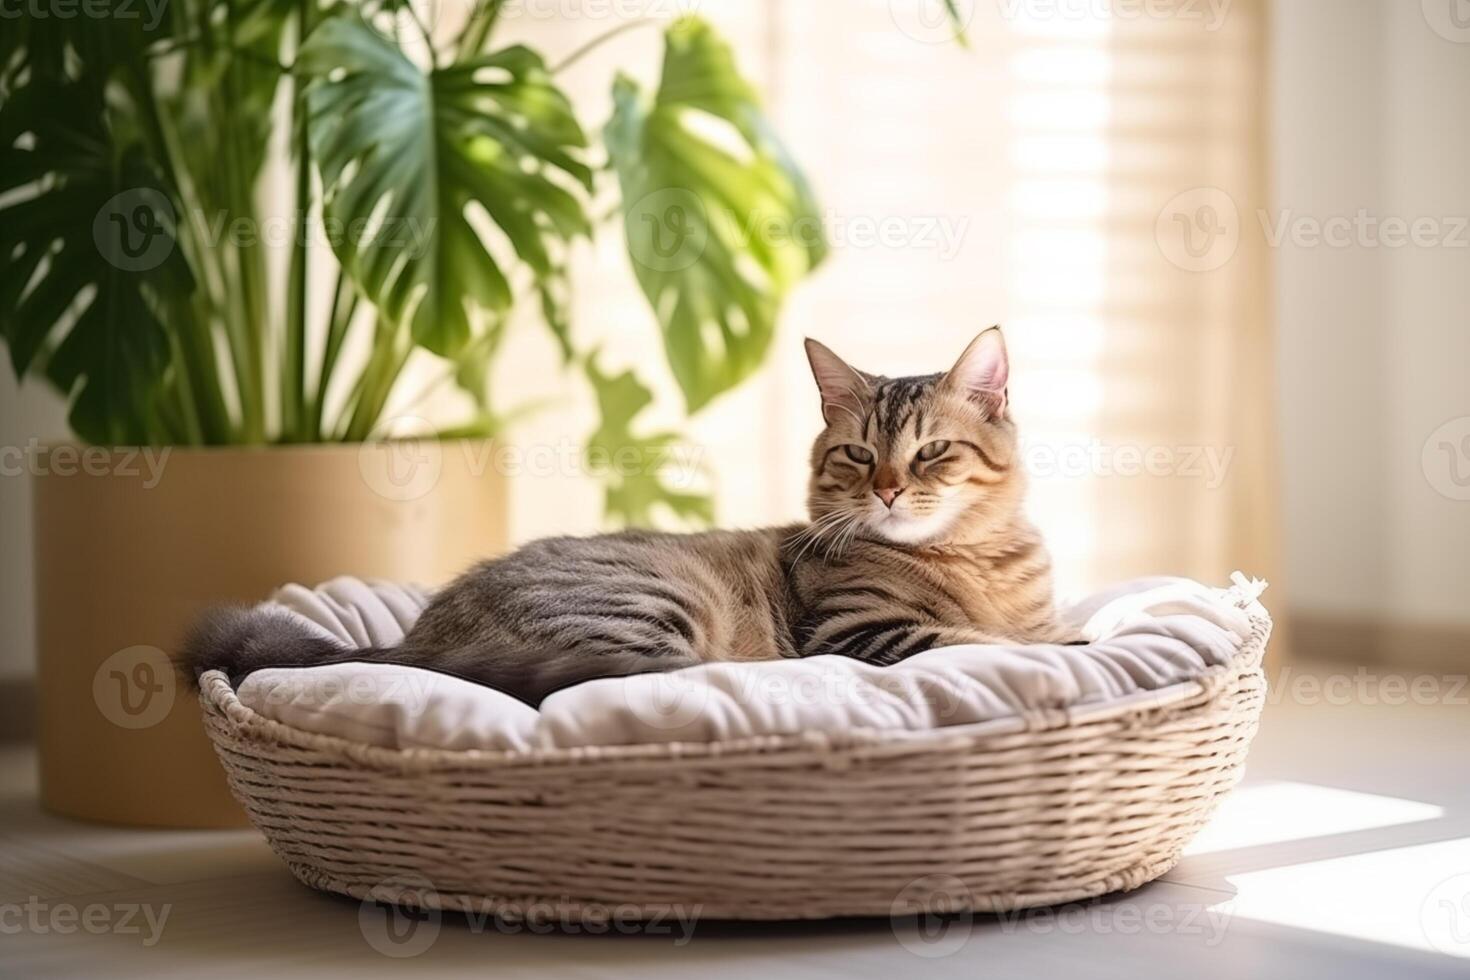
x=832 y=531
x=813 y=528
x=843 y=536
x=809 y=536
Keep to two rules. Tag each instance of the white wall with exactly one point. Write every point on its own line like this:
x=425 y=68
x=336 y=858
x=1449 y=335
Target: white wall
x=1370 y=113
x=1426 y=145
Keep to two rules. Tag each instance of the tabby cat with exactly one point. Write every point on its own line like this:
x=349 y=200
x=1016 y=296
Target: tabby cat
x=916 y=540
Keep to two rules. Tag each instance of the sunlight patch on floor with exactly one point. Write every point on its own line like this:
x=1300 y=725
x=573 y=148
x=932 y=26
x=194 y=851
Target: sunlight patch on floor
x=1269 y=813
x=1414 y=897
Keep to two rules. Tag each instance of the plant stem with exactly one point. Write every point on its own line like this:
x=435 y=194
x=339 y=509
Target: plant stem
x=339 y=321
x=293 y=371
x=197 y=358
x=249 y=271
x=177 y=425
x=424 y=31
x=190 y=328
x=381 y=373
x=185 y=44
x=477 y=31
x=184 y=402
x=243 y=331
x=600 y=40
x=339 y=431
x=293 y=374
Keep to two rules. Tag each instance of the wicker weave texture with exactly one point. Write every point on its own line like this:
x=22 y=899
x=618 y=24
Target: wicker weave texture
x=790 y=827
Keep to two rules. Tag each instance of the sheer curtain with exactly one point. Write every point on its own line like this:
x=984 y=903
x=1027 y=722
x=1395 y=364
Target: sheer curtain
x=1079 y=177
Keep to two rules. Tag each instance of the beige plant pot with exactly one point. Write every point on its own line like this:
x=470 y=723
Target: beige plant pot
x=131 y=546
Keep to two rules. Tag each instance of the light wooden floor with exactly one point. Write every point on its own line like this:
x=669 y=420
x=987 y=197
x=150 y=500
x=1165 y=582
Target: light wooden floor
x=1346 y=854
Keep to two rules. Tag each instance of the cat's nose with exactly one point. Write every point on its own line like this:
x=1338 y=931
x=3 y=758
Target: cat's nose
x=888 y=495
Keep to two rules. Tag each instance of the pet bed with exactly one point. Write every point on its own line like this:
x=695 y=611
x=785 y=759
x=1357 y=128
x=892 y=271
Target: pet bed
x=981 y=777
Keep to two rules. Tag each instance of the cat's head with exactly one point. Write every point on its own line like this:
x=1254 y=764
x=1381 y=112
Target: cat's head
x=921 y=460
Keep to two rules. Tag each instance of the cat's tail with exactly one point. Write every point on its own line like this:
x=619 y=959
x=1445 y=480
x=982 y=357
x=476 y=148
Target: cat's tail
x=239 y=641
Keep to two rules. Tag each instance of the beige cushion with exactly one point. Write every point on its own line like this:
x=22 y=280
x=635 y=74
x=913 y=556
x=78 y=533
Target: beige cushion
x=1149 y=640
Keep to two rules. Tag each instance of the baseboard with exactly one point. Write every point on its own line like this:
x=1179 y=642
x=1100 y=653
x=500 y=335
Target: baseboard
x=1379 y=642
x=17 y=709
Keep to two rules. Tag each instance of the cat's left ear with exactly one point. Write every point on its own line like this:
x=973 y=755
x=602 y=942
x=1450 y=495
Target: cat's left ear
x=845 y=389
x=983 y=371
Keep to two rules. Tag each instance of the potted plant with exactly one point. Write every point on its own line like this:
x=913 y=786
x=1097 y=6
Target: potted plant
x=454 y=183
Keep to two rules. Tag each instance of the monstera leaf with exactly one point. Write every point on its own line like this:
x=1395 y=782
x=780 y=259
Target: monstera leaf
x=719 y=221
x=84 y=233
x=404 y=152
x=86 y=222
x=636 y=468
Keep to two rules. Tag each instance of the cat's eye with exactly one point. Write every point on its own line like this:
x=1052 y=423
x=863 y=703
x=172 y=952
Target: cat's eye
x=858 y=454
x=933 y=450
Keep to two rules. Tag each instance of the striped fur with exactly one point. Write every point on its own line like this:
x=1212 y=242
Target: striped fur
x=951 y=561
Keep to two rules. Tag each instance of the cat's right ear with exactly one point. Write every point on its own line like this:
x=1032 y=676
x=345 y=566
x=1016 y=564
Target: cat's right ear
x=844 y=389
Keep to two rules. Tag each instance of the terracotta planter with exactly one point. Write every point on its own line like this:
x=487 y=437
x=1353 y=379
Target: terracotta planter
x=130 y=547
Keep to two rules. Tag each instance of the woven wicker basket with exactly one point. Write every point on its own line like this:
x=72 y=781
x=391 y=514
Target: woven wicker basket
x=790 y=827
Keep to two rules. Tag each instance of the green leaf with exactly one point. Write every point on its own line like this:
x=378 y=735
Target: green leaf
x=636 y=468
x=472 y=366
x=720 y=222
x=86 y=238
x=957 y=18
x=86 y=43
x=403 y=153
